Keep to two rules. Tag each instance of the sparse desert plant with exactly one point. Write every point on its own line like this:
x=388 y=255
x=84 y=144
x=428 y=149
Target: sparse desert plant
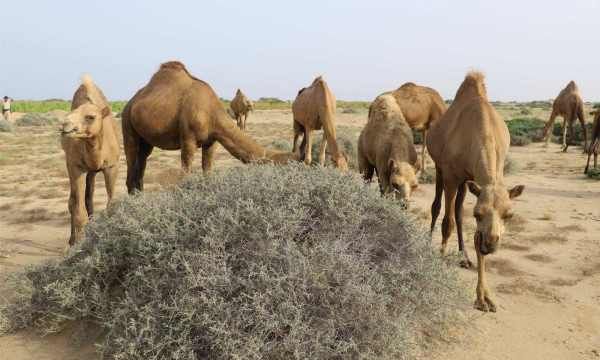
x=36 y=119
x=427 y=176
x=281 y=145
x=525 y=111
x=525 y=129
x=273 y=262
x=347 y=138
x=510 y=166
x=519 y=140
x=5 y=126
x=557 y=131
x=594 y=173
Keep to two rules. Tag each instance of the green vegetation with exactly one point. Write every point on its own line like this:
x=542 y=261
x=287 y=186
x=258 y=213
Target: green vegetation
x=593 y=173
x=557 y=131
x=44 y=106
x=525 y=130
x=273 y=262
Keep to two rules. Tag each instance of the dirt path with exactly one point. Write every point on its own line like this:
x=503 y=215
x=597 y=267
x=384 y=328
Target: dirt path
x=546 y=275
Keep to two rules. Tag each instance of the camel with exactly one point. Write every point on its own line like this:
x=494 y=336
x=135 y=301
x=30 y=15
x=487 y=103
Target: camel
x=241 y=106
x=569 y=105
x=386 y=145
x=468 y=145
x=89 y=140
x=594 y=141
x=313 y=109
x=421 y=106
x=177 y=111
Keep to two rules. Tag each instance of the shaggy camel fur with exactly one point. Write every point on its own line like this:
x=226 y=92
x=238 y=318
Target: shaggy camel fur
x=594 y=141
x=386 y=145
x=89 y=139
x=569 y=105
x=421 y=106
x=176 y=111
x=313 y=109
x=241 y=106
x=468 y=145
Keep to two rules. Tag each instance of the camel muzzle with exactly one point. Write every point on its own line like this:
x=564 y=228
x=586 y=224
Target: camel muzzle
x=487 y=244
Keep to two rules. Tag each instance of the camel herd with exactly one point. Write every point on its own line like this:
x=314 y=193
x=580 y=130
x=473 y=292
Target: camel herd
x=467 y=141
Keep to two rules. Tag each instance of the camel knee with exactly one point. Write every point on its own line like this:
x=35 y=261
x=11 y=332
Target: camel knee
x=448 y=225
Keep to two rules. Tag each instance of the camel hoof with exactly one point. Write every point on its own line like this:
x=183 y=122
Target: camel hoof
x=466 y=264
x=481 y=305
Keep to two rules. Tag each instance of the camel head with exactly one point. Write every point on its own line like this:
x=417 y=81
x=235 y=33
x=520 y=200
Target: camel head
x=403 y=179
x=341 y=162
x=85 y=121
x=493 y=207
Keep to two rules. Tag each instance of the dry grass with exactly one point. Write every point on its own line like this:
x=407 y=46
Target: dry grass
x=539 y=258
x=546 y=238
x=503 y=267
x=522 y=286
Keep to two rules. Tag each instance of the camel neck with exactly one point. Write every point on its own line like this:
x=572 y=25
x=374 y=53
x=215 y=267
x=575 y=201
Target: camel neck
x=240 y=145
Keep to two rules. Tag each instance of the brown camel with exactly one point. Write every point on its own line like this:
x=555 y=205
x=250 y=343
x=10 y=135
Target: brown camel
x=313 y=109
x=468 y=145
x=569 y=105
x=386 y=145
x=241 y=106
x=176 y=111
x=421 y=106
x=594 y=141
x=89 y=139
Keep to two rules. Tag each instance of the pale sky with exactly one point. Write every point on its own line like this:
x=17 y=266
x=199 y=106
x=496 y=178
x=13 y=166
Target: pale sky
x=528 y=50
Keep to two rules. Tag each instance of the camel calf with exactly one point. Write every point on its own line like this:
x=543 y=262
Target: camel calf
x=468 y=145
x=386 y=145
x=89 y=140
x=240 y=107
x=594 y=141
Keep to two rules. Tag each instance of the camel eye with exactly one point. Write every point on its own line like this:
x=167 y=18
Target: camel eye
x=90 y=117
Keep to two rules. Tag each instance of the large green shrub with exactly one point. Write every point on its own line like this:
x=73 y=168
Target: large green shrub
x=525 y=130
x=269 y=262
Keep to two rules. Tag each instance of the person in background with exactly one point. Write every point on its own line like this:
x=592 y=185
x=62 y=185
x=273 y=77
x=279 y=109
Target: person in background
x=6 y=103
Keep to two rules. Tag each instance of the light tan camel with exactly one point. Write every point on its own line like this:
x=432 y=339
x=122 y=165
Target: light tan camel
x=176 y=111
x=386 y=145
x=89 y=139
x=421 y=107
x=569 y=105
x=313 y=109
x=241 y=106
x=468 y=145
x=594 y=141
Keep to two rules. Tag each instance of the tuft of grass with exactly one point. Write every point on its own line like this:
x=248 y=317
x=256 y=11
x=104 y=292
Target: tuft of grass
x=594 y=173
x=273 y=262
x=5 y=126
x=281 y=145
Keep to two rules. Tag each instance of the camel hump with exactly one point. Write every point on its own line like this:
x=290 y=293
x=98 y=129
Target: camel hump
x=473 y=85
x=408 y=85
x=318 y=79
x=475 y=77
x=572 y=86
x=173 y=65
x=87 y=81
x=384 y=107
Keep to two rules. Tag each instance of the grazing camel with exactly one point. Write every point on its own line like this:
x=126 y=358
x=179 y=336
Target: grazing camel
x=89 y=139
x=176 y=111
x=594 y=141
x=313 y=109
x=241 y=106
x=386 y=145
x=421 y=107
x=468 y=145
x=569 y=105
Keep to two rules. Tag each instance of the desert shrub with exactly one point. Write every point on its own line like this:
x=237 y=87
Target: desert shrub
x=36 y=119
x=525 y=129
x=594 y=173
x=557 y=131
x=5 y=126
x=349 y=111
x=525 y=111
x=347 y=138
x=281 y=145
x=273 y=262
x=427 y=176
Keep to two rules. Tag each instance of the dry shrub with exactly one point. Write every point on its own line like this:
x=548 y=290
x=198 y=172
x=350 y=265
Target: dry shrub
x=273 y=262
x=5 y=126
x=36 y=119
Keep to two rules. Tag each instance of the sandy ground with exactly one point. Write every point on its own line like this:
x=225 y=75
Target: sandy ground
x=546 y=276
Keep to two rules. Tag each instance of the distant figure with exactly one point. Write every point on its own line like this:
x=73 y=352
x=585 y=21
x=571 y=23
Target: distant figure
x=6 y=103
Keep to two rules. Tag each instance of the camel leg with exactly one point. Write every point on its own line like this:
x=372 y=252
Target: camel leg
x=298 y=131
x=437 y=201
x=208 y=157
x=564 y=136
x=483 y=301
x=308 y=147
x=110 y=180
x=460 y=199
x=322 y=148
x=448 y=222
x=245 y=118
x=585 y=142
x=364 y=167
x=548 y=128
x=423 y=149
x=77 y=205
x=90 y=185
x=131 y=144
x=144 y=151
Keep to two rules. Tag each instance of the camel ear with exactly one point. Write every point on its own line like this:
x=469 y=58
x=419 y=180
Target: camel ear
x=105 y=112
x=474 y=188
x=516 y=191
